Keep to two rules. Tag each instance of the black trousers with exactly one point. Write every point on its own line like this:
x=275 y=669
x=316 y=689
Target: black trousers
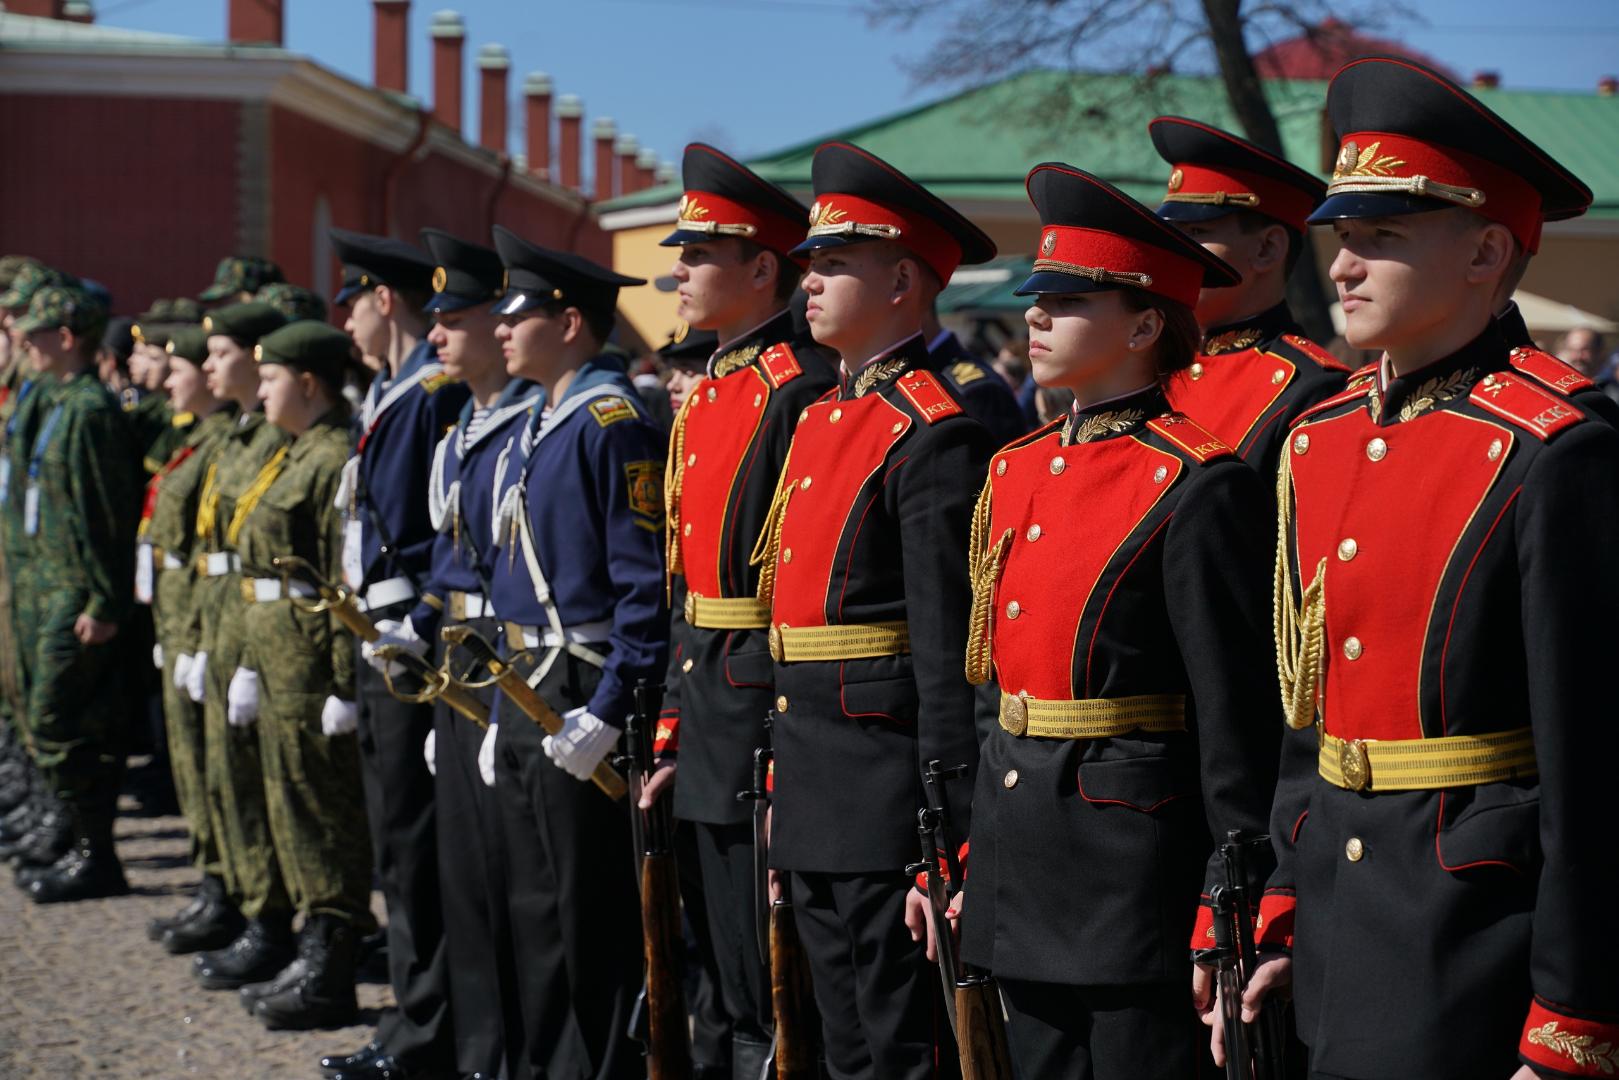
x=575 y=913
x=882 y=1015
x=1059 y=1032
x=399 y=802
x=710 y=1023
x=472 y=885
x=725 y=857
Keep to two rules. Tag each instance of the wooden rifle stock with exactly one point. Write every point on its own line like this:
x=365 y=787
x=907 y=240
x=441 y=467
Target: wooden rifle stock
x=981 y=1030
x=668 y=1053
x=792 y=1002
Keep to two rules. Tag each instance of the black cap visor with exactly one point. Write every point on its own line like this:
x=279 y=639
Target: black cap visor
x=1369 y=204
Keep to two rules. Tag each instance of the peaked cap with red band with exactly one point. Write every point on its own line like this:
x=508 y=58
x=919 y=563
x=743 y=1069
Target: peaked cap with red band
x=725 y=198
x=1215 y=173
x=1094 y=237
x=859 y=197
x=1410 y=140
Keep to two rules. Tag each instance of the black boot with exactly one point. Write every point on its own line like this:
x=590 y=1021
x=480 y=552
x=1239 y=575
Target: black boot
x=15 y=786
x=364 y=1056
x=259 y=951
x=89 y=871
x=50 y=837
x=324 y=996
x=16 y=826
x=249 y=995
x=214 y=927
x=211 y=889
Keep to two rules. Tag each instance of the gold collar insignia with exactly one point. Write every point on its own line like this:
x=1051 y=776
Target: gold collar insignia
x=1091 y=428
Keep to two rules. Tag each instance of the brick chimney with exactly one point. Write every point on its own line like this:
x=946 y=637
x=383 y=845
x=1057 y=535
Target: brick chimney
x=646 y=168
x=39 y=9
x=537 y=123
x=1608 y=86
x=570 y=141
x=667 y=173
x=79 y=11
x=603 y=132
x=390 y=42
x=255 y=22
x=449 y=36
x=1487 y=80
x=494 y=64
x=625 y=147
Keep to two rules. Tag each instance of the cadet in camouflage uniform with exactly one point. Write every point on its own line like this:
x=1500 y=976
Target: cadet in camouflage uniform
x=293 y=301
x=80 y=499
x=237 y=278
x=150 y=413
x=164 y=556
x=232 y=765
x=300 y=665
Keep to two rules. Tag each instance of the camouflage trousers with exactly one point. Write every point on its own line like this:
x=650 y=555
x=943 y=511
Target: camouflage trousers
x=233 y=764
x=182 y=719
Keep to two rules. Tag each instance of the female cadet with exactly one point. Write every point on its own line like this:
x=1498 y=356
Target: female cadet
x=1119 y=563
x=301 y=665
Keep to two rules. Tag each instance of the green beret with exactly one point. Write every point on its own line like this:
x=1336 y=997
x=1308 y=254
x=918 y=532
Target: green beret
x=29 y=280
x=293 y=301
x=316 y=347
x=188 y=343
x=239 y=274
x=151 y=333
x=64 y=305
x=245 y=322
x=185 y=310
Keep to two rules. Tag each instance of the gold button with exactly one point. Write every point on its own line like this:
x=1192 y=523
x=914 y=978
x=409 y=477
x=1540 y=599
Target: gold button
x=1057 y=466
x=1352 y=648
x=687 y=530
x=687 y=666
x=1301 y=443
x=1000 y=467
x=1377 y=449
x=1278 y=377
x=1033 y=534
x=1013 y=609
x=837 y=414
x=781 y=703
x=786 y=554
x=757 y=398
x=899 y=426
x=1347 y=549
x=1354 y=851
x=1495 y=450
x=1010 y=781
x=712 y=393
x=803 y=485
x=1489 y=380
x=1159 y=473
x=1197 y=371
x=691 y=459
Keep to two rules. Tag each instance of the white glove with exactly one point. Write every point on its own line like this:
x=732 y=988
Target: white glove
x=339 y=717
x=157 y=657
x=429 y=753
x=197 y=678
x=486 y=756
x=581 y=744
x=391 y=632
x=182 y=671
x=242 y=699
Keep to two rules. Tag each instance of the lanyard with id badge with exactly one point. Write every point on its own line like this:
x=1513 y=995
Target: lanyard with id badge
x=30 y=506
x=5 y=449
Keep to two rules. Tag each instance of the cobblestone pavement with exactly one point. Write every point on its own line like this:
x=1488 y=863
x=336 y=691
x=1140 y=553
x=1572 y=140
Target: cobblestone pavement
x=84 y=994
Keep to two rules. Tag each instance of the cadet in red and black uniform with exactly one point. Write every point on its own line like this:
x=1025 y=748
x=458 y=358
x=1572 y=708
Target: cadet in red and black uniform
x=729 y=443
x=864 y=567
x=1447 y=866
x=1256 y=371
x=1119 y=560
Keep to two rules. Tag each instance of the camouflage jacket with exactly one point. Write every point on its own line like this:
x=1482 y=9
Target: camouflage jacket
x=169 y=521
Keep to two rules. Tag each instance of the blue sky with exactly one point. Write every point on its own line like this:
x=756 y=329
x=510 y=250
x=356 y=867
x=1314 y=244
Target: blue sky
x=754 y=75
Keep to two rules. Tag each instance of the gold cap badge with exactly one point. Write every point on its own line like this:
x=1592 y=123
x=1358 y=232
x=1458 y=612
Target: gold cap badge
x=441 y=278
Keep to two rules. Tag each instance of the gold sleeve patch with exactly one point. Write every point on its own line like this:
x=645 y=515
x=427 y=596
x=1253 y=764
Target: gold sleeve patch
x=964 y=372
x=644 y=481
x=434 y=383
x=610 y=410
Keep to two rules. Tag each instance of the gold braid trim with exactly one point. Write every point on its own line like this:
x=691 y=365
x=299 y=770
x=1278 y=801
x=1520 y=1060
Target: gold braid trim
x=1300 y=628
x=674 y=472
x=208 y=506
x=768 y=547
x=255 y=491
x=984 y=565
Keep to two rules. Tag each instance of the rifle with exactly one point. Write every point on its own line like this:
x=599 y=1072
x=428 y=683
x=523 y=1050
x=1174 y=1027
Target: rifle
x=1253 y=1051
x=662 y=1008
x=339 y=601
x=795 y=1024
x=972 y=998
x=525 y=697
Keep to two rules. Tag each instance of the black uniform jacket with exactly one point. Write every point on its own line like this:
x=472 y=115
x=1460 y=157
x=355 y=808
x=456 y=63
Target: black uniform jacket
x=981 y=389
x=725 y=455
x=870 y=532
x=1462 y=525
x=1123 y=555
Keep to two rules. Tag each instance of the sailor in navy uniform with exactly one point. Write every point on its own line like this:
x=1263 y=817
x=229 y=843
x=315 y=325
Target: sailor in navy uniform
x=387 y=553
x=577 y=577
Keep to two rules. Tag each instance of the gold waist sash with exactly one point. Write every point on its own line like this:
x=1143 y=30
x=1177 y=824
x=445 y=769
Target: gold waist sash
x=726 y=613
x=1092 y=718
x=1425 y=764
x=850 y=641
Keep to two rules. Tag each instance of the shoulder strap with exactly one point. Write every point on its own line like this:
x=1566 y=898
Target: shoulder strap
x=928 y=396
x=1197 y=443
x=1514 y=398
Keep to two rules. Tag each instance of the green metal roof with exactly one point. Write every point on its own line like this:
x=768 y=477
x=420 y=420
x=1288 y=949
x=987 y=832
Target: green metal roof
x=979 y=144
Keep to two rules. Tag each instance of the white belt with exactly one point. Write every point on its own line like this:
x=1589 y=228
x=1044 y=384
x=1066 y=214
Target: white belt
x=387 y=593
x=171 y=562
x=268 y=589
x=219 y=563
x=583 y=634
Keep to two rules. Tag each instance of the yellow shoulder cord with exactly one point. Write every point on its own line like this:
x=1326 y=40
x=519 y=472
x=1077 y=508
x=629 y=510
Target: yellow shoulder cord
x=768 y=547
x=984 y=565
x=255 y=491
x=1300 y=629
x=208 y=506
x=674 y=471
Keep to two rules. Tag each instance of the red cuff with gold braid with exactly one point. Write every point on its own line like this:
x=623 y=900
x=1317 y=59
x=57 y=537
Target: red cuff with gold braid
x=667 y=739
x=1569 y=1045
x=944 y=869
x=1274 y=932
x=1203 y=929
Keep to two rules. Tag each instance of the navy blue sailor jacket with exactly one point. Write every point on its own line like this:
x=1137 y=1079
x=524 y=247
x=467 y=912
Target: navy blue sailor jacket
x=578 y=532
